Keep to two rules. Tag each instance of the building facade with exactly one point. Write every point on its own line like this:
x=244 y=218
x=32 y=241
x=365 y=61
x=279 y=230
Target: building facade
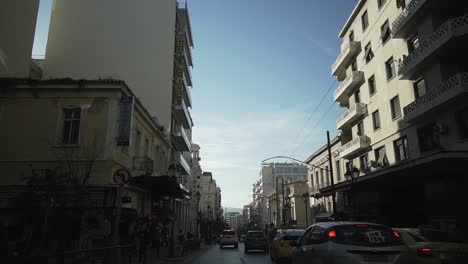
x=208 y=196
x=403 y=74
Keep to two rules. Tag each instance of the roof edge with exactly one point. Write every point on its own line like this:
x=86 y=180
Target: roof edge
x=333 y=142
x=351 y=18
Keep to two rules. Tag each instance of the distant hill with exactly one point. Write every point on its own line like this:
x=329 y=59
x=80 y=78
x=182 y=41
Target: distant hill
x=230 y=209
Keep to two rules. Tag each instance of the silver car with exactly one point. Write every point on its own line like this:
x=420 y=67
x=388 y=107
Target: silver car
x=350 y=243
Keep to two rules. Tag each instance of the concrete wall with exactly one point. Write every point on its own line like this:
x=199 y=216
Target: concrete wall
x=128 y=40
x=17 y=28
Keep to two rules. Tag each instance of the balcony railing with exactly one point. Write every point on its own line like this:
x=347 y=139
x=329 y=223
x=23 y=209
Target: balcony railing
x=182 y=87
x=181 y=139
x=182 y=164
x=405 y=16
x=354 y=147
x=143 y=165
x=347 y=52
x=341 y=93
x=451 y=28
x=352 y=114
x=456 y=85
x=183 y=35
x=182 y=114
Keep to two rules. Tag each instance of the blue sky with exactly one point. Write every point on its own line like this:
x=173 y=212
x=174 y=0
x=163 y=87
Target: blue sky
x=260 y=69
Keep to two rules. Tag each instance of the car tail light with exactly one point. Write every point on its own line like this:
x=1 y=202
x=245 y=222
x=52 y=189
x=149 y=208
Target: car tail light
x=221 y=235
x=425 y=252
x=331 y=234
x=395 y=233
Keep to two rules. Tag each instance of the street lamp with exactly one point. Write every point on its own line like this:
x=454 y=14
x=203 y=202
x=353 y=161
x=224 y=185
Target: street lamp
x=305 y=198
x=352 y=175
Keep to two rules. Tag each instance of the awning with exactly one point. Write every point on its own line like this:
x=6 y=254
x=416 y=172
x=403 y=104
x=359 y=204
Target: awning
x=161 y=186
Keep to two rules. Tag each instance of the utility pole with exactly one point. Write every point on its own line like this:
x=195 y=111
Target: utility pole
x=331 y=172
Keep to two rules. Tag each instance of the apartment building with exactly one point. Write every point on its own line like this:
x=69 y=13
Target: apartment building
x=403 y=90
x=148 y=44
x=70 y=127
x=208 y=195
x=246 y=212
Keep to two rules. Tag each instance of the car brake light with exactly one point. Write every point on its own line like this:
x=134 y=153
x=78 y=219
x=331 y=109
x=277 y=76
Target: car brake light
x=331 y=234
x=395 y=233
x=425 y=252
x=221 y=235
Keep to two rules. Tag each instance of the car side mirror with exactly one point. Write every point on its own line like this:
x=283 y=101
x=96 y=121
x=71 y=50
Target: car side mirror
x=294 y=243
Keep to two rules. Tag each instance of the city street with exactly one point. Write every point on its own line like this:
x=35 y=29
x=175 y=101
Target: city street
x=231 y=255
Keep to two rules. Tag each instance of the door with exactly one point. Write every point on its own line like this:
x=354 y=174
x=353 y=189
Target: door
x=298 y=254
x=316 y=249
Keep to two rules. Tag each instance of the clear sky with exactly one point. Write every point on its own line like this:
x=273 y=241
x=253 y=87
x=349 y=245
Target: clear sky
x=260 y=70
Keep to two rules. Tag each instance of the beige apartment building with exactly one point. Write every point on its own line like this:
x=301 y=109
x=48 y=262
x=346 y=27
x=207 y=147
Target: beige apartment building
x=403 y=88
x=78 y=127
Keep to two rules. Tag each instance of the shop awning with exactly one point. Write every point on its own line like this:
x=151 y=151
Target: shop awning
x=161 y=186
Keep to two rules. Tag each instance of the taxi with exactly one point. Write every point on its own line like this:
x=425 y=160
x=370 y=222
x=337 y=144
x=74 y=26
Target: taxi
x=431 y=246
x=281 y=248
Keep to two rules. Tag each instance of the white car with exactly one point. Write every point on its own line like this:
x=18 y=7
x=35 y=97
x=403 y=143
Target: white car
x=228 y=237
x=350 y=243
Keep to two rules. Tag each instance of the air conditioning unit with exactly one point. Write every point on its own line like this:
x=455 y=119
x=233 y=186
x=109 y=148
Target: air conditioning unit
x=440 y=129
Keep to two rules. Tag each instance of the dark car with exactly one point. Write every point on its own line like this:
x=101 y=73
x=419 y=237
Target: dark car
x=255 y=240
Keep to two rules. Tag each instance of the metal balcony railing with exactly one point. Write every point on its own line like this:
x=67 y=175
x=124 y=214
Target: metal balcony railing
x=347 y=85
x=452 y=87
x=406 y=15
x=350 y=149
x=451 y=28
x=347 y=52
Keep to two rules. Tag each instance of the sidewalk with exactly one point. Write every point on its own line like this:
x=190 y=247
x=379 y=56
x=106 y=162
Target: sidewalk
x=164 y=255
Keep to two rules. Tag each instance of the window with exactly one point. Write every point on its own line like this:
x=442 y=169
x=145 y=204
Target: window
x=360 y=128
x=376 y=119
x=401 y=3
x=351 y=36
x=317 y=182
x=327 y=175
x=369 y=54
x=146 y=147
x=365 y=21
x=419 y=87
x=428 y=140
x=349 y=166
x=462 y=121
x=401 y=149
x=364 y=159
x=395 y=107
x=137 y=142
x=385 y=32
x=338 y=171
x=390 y=68
x=371 y=84
x=381 y=156
x=381 y=2
x=413 y=43
x=156 y=155
x=357 y=96
x=209 y=188
x=322 y=176
x=354 y=65
x=71 y=125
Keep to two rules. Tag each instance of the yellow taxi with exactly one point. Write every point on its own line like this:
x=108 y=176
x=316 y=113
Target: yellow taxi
x=430 y=246
x=281 y=248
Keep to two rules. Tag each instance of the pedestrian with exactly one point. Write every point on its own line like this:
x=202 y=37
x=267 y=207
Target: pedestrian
x=142 y=239
x=181 y=239
x=157 y=237
x=165 y=234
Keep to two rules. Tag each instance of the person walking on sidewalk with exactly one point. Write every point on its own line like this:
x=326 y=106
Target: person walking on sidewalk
x=142 y=239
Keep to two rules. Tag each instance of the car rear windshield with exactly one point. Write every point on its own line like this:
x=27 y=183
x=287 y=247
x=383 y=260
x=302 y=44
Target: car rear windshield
x=228 y=233
x=365 y=235
x=256 y=234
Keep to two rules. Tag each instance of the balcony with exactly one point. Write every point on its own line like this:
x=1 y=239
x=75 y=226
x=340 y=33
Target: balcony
x=343 y=91
x=142 y=165
x=348 y=51
x=355 y=147
x=181 y=140
x=183 y=39
x=351 y=115
x=182 y=164
x=450 y=29
x=445 y=92
x=183 y=89
x=182 y=65
x=184 y=18
x=406 y=18
x=182 y=115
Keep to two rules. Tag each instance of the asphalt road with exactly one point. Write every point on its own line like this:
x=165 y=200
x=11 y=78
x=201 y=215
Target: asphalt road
x=231 y=255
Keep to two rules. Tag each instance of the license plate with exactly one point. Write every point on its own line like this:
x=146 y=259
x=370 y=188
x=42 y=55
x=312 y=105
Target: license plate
x=376 y=258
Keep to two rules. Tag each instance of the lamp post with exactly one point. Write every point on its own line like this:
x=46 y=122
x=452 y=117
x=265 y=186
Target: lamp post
x=351 y=176
x=174 y=174
x=305 y=198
